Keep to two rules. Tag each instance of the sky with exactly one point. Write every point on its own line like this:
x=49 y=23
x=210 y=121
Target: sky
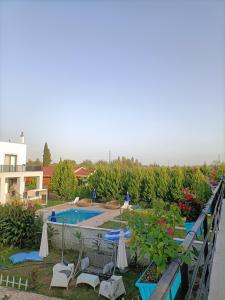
x=136 y=78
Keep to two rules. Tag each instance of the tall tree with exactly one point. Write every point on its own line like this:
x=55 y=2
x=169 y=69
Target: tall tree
x=64 y=181
x=148 y=184
x=176 y=184
x=46 y=156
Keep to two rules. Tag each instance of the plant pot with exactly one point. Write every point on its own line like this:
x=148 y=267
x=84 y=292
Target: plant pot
x=147 y=288
x=190 y=225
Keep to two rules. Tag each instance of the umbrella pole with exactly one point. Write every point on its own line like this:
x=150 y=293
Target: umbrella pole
x=115 y=257
x=62 y=255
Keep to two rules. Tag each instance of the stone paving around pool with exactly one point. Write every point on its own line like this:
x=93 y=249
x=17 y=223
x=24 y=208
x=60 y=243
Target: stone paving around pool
x=109 y=214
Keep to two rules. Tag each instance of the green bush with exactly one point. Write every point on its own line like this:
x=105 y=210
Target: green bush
x=131 y=182
x=146 y=184
x=199 y=186
x=220 y=171
x=19 y=226
x=64 y=181
x=107 y=182
x=162 y=179
x=176 y=184
x=148 y=187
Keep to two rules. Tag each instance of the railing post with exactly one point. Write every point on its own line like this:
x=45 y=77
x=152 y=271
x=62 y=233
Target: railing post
x=206 y=249
x=184 y=279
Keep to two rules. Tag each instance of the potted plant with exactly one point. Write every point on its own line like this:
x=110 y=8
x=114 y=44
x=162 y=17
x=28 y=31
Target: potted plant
x=190 y=208
x=152 y=235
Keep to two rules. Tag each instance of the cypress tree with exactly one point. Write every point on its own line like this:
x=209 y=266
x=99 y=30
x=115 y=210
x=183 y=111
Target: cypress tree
x=46 y=156
x=148 y=187
x=64 y=181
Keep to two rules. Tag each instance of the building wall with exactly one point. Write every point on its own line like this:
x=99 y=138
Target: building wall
x=20 y=176
x=15 y=149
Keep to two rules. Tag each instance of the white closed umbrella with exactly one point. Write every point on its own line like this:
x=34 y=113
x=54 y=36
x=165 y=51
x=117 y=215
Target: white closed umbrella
x=43 y=252
x=121 y=254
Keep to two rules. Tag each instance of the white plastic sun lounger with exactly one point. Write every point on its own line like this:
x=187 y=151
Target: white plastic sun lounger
x=62 y=275
x=75 y=201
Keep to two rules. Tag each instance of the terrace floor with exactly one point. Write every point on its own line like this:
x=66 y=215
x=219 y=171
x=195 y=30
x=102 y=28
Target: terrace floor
x=217 y=286
x=97 y=221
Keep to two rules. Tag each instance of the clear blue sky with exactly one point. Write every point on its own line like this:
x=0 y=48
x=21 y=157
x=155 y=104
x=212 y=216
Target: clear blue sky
x=139 y=78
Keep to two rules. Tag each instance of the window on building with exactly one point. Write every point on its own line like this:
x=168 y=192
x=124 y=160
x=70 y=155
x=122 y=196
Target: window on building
x=10 y=162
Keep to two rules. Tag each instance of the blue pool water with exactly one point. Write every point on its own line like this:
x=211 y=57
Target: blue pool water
x=75 y=215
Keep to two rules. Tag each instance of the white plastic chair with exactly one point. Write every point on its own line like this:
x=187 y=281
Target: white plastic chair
x=112 y=288
x=75 y=201
x=62 y=274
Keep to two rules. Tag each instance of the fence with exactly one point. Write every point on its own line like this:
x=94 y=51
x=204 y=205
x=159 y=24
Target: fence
x=195 y=279
x=19 y=168
x=13 y=283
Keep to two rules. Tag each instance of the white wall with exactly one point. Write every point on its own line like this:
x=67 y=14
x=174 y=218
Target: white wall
x=15 y=149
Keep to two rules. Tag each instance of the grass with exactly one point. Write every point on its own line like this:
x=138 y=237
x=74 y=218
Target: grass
x=39 y=277
x=121 y=217
x=113 y=225
x=55 y=202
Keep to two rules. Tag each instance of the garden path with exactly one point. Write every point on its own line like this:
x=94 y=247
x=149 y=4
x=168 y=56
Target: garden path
x=14 y=294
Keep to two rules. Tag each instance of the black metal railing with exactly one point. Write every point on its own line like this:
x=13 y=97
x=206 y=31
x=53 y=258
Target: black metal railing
x=195 y=278
x=19 y=168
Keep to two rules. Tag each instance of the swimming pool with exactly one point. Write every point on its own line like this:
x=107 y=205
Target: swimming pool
x=75 y=215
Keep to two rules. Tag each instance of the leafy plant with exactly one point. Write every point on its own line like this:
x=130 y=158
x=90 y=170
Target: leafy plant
x=152 y=234
x=64 y=181
x=19 y=226
x=189 y=206
x=200 y=186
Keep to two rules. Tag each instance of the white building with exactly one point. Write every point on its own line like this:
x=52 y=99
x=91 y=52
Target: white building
x=13 y=173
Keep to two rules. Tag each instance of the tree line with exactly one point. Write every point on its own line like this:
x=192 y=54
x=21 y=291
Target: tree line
x=144 y=184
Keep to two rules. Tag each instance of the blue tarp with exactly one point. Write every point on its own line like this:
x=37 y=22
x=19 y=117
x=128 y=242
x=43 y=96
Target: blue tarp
x=25 y=256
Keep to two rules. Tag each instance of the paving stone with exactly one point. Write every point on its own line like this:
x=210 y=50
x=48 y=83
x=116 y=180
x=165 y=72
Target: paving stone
x=14 y=294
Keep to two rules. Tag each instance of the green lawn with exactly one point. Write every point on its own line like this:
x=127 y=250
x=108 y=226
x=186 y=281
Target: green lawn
x=39 y=276
x=121 y=217
x=55 y=202
x=113 y=225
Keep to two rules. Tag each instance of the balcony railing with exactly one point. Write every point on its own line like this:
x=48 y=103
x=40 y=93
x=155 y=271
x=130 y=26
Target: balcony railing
x=195 y=282
x=19 y=168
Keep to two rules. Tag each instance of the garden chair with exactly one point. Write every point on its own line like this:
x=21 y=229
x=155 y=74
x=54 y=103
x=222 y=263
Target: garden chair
x=112 y=288
x=75 y=201
x=98 y=264
x=62 y=274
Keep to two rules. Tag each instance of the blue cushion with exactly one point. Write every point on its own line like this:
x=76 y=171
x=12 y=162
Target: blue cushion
x=18 y=257
x=25 y=256
x=115 y=231
x=34 y=255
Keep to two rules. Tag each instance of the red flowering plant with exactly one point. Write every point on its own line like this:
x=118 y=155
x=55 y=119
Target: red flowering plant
x=189 y=206
x=152 y=234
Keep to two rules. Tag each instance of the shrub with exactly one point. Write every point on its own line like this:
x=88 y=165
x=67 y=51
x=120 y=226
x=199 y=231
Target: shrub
x=147 y=193
x=152 y=234
x=176 y=184
x=199 y=186
x=131 y=182
x=64 y=181
x=189 y=206
x=162 y=183
x=19 y=226
x=220 y=171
